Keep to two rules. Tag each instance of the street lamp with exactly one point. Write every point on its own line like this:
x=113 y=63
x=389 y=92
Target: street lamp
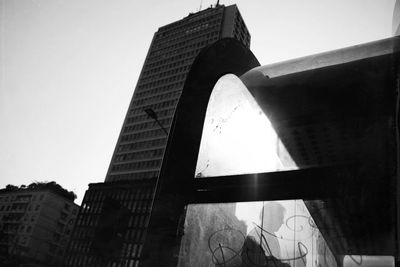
x=152 y=114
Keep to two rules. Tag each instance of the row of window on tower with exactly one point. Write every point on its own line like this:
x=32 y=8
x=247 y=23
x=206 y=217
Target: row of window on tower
x=192 y=36
x=146 y=125
x=140 y=155
x=179 y=77
x=184 y=44
x=143 y=135
x=20 y=207
x=142 y=145
x=137 y=165
x=155 y=106
x=194 y=43
x=166 y=33
x=151 y=89
x=144 y=192
x=144 y=117
x=151 y=174
x=152 y=68
x=163 y=59
x=163 y=72
x=135 y=206
x=155 y=98
x=177 y=29
x=171 y=88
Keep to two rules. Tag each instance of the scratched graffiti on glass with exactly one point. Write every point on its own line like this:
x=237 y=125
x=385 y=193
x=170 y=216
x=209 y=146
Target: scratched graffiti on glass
x=238 y=137
x=271 y=233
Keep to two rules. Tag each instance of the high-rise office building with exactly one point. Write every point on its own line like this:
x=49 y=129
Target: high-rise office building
x=141 y=144
x=112 y=223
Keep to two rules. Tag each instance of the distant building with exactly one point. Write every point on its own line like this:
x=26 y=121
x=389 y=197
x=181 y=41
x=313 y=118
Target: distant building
x=35 y=225
x=111 y=224
x=134 y=169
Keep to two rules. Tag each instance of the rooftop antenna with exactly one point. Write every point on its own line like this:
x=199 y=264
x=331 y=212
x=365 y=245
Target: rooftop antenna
x=217 y=3
x=201 y=2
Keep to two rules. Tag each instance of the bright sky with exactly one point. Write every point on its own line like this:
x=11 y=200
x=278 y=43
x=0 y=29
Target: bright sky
x=69 y=67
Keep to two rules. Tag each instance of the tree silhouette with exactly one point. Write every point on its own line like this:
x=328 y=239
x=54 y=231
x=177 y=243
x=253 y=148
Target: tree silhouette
x=52 y=186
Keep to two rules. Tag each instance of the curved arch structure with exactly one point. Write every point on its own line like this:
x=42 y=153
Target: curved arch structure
x=343 y=100
x=175 y=186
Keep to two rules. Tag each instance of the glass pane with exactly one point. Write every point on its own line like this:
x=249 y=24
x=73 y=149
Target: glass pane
x=259 y=124
x=272 y=233
x=238 y=137
x=368 y=261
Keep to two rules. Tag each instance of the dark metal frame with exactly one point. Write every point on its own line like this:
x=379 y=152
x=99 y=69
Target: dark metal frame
x=177 y=186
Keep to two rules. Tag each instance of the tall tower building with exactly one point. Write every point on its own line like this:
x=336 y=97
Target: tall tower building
x=141 y=144
x=113 y=219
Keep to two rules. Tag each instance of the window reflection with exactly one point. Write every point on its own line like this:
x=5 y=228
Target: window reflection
x=238 y=137
x=270 y=233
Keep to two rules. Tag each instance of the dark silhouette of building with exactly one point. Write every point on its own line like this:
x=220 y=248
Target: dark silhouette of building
x=35 y=223
x=112 y=223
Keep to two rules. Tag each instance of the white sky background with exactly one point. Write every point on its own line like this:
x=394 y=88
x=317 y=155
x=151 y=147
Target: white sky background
x=69 y=67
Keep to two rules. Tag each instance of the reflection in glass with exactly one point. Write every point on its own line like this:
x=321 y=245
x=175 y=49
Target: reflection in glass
x=271 y=233
x=237 y=137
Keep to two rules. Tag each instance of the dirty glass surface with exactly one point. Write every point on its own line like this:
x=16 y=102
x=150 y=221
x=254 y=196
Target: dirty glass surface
x=238 y=137
x=256 y=124
x=368 y=261
x=269 y=233
x=309 y=130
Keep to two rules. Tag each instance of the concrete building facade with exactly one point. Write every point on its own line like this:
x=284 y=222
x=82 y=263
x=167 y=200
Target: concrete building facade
x=122 y=205
x=35 y=225
x=141 y=144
